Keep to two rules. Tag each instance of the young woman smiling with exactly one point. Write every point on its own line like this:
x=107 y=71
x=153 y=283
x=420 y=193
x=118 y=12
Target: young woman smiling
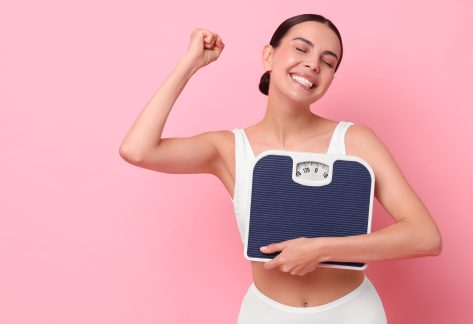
x=300 y=63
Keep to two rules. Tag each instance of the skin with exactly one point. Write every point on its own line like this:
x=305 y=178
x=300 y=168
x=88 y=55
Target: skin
x=292 y=278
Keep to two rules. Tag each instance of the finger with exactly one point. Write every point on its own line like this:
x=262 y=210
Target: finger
x=213 y=39
x=274 y=247
x=207 y=34
x=285 y=268
x=298 y=270
x=307 y=268
x=209 y=40
x=274 y=263
x=205 y=37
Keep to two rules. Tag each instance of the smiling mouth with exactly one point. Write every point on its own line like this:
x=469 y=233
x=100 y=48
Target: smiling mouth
x=302 y=82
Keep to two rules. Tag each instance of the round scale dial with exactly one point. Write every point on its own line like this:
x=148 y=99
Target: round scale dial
x=312 y=171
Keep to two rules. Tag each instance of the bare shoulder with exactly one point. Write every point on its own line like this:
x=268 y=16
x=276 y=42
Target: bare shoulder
x=356 y=138
x=224 y=142
x=362 y=141
x=222 y=136
x=391 y=186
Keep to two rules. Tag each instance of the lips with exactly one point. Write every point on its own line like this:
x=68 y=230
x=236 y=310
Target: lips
x=314 y=85
x=306 y=76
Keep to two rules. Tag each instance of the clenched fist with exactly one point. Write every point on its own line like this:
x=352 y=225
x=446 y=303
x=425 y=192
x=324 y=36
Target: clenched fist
x=204 y=47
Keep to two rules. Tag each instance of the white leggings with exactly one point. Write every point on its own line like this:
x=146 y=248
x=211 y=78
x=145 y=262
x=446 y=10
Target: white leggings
x=361 y=305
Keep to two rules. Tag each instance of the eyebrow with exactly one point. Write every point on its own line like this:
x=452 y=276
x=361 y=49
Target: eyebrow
x=308 y=42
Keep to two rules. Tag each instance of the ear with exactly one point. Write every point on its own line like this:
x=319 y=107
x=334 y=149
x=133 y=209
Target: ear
x=267 y=56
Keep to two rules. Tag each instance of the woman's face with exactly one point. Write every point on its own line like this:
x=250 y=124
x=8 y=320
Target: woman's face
x=310 y=49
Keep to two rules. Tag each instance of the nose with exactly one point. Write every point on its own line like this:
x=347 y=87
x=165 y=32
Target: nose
x=313 y=64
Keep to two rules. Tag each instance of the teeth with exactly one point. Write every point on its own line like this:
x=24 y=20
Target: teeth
x=302 y=80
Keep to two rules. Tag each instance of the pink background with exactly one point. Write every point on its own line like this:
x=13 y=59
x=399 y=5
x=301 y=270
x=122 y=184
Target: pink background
x=87 y=238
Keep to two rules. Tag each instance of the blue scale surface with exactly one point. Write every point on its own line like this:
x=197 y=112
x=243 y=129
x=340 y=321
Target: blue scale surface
x=282 y=209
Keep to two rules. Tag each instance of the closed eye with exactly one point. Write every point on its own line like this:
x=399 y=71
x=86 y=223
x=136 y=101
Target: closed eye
x=330 y=65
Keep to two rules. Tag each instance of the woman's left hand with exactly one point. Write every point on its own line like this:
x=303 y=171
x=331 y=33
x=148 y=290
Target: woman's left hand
x=298 y=256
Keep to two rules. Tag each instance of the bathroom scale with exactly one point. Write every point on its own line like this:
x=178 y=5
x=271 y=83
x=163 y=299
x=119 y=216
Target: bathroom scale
x=304 y=194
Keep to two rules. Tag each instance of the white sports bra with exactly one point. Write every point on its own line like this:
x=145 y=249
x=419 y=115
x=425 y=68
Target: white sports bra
x=244 y=154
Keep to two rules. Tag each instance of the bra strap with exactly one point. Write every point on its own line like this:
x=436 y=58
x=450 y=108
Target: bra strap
x=337 y=143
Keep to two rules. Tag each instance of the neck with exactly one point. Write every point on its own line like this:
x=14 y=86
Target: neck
x=287 y=121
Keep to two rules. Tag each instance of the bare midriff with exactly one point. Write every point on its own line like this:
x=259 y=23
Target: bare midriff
x=321 y=286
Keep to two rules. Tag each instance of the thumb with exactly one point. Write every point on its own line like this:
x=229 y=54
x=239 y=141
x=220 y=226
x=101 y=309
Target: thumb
x=219 y=43
x=218 y=46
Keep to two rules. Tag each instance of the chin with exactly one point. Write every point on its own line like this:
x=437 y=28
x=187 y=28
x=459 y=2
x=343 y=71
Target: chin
x=304 y=100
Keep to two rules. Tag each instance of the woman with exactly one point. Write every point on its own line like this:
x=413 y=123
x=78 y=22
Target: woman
x=300 y=62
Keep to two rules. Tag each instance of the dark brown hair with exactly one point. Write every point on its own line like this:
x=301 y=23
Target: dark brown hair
x=282 y=30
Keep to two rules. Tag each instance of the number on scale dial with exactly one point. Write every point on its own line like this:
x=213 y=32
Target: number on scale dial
x=311 y=170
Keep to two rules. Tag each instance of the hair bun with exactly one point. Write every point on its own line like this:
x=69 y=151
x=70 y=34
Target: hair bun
x=264 y=83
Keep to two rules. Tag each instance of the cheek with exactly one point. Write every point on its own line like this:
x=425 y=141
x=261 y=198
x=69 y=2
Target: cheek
x=285 y=58
x=292 y=60
x=329 y=79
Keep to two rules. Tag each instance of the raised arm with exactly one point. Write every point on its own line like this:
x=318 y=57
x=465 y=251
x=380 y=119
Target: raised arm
x=143 y=145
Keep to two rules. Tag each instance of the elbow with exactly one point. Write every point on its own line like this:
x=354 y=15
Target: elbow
x=128 y=156
x=434 y=247
x=437 y=246
x=426 y=242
